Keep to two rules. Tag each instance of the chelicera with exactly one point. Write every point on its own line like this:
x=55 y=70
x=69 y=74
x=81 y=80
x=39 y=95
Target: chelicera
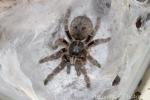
x=76 y=49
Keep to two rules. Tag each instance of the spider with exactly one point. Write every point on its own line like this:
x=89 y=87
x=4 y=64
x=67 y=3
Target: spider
x=76 y=51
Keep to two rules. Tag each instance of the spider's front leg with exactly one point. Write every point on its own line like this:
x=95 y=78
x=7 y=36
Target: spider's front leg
x=93 y=61
x=91 y=36
x=60 y=67
x=66 y=22
x=57 y=55
x=97 y=42
x=86 y=77
x=81 y=69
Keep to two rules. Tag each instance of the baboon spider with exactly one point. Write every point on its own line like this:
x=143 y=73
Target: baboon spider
x=76 y=51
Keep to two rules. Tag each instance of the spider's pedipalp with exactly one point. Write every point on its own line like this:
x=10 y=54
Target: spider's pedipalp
x=97 y=42
x=93 y=61
x=68 y=68
x=77 y=68
x=57 y=55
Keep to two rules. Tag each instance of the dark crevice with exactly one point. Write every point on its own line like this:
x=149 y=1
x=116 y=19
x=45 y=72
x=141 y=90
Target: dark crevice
x=116 y=81
x=139 y=22
x=136 y=96
x=142 y=20
x=108 y=5
x=140 y=0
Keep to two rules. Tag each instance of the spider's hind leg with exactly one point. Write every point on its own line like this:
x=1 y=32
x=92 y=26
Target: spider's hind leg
x=91 y=36
x=97 y=26
x=66 y=22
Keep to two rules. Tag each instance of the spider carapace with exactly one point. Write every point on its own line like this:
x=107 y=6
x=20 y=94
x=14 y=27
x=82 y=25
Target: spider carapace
x=76 y=49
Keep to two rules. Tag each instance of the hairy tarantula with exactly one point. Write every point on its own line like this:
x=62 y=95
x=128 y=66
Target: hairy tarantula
x=76 y=51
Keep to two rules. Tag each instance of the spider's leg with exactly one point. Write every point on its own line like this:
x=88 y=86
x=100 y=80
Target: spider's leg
x=66 y=22
x=54 y=56
x=97 y=42
x=93 y=61
x=91 y=36
x=80 y=61
x=86 y=77
x=97 y=24
x=59 y=68
x=61 y=41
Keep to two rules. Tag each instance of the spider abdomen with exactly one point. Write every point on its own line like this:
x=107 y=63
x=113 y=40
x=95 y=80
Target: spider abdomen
x=81 y=27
